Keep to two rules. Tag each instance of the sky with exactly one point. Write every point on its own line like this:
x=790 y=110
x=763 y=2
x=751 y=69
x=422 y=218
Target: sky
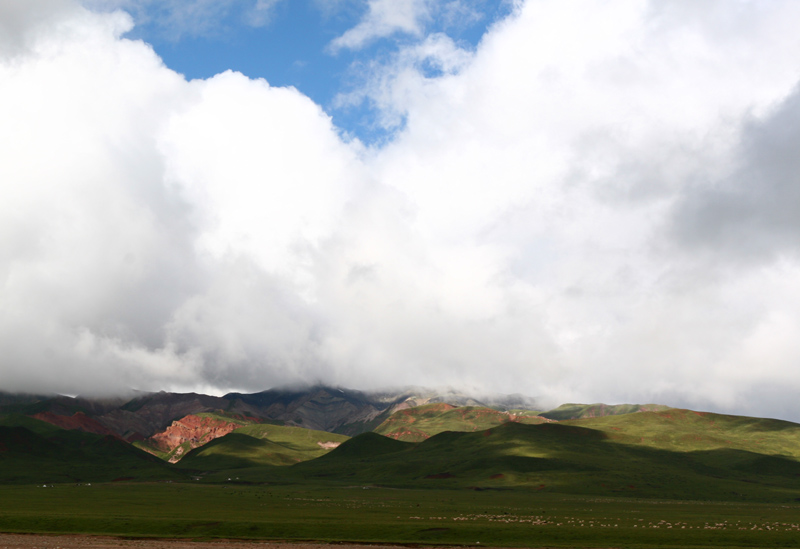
x=589 y=201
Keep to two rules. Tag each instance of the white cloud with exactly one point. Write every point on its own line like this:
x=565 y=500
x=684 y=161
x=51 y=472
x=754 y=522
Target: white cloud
x=261 y=13
x=385 y=18
x=390 y=86
x=22 y=23
x=560 y=215
x=750 y=214
x=240 y=150
x=563 y=147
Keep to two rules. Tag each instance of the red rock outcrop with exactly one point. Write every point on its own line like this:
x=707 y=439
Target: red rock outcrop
x=151 y=413
x=193 y=429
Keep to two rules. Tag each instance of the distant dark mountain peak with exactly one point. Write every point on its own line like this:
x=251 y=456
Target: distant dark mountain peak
x=322 y=408
x=141 y=415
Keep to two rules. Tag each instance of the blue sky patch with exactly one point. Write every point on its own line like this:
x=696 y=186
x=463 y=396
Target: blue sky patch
x=291 y=46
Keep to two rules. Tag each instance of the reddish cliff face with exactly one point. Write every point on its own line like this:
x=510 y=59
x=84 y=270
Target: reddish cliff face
x=152 y=413
x=78 y=421
x=192 y=429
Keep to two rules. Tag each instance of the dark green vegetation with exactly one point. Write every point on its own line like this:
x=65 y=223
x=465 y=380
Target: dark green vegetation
x=674 y=453
x=33 y=451
x=551 y=458
x=513 y=518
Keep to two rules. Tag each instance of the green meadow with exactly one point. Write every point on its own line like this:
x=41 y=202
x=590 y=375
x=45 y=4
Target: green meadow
x=368 y=514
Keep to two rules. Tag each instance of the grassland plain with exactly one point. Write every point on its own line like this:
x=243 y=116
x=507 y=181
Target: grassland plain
x=363 y=514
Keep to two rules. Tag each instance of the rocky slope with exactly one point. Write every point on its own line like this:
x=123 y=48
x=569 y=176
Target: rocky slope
x=320 y=408
x=148 y=414
x=170 y=425
x=188 y=433
x=349 y=412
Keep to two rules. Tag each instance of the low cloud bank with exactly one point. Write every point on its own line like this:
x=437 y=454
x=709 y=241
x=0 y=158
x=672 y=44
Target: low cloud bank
x=595 y=205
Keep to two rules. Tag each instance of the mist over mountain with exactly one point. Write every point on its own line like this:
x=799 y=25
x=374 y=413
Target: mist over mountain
x=340 y=410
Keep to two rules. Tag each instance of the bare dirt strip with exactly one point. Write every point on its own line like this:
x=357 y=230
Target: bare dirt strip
x=38 y=541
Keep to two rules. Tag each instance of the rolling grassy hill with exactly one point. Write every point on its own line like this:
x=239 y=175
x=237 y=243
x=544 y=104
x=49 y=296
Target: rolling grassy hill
x=32 y=451
x=572 y=459
x=662 y=453
x=689 y=431
x=580 y=411
x=422 y=422
x=261 y=444
x=192 y=431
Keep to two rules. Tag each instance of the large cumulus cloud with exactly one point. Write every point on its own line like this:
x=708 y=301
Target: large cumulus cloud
x=136 y=201
x=595 y=204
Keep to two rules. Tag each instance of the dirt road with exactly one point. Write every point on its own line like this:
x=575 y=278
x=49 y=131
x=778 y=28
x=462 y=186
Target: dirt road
x=38 y=541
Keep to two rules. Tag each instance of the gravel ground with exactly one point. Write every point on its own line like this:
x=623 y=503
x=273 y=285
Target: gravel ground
x=38 y=541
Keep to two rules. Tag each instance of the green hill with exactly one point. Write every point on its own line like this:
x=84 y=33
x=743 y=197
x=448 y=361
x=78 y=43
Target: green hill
x=579 y=411
x=33 y=451
x=194 y=430
x=29 y=423
x=571 y=459
x=261 y=444
x=686 y=431
x=422 y=422
x=366 y=446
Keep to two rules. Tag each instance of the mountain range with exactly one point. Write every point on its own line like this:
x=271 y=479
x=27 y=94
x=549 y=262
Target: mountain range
x=406 y=438
x=323 y=408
